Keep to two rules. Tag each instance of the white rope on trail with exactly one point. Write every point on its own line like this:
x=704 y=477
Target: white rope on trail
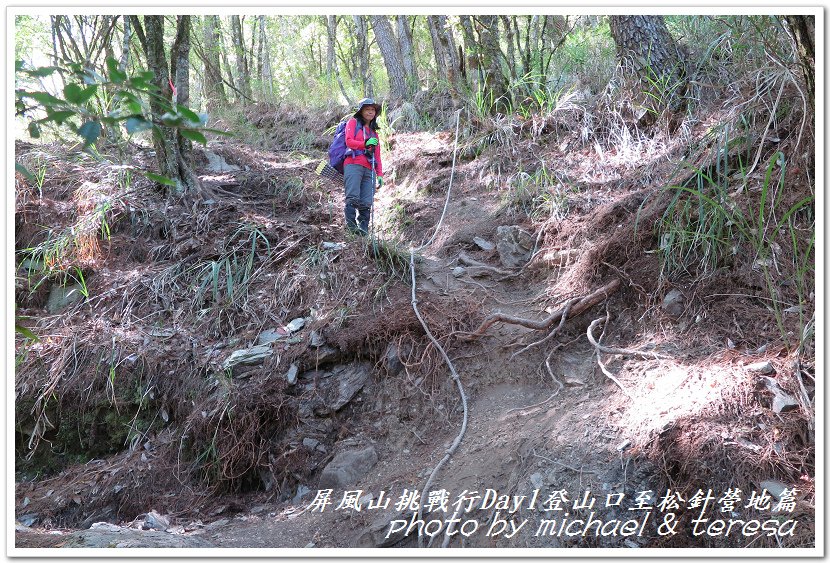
x=453 y=372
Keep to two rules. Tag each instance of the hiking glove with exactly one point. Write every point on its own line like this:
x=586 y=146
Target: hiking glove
x=371 y=143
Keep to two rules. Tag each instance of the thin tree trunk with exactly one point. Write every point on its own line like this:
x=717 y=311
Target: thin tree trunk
x=266 y=76
x=233 y=81
x=125 y=46
x=331 y=31
x=511 y=49
x=214 y=88
x=362 y=40
x=241 y=59
x=170 y=160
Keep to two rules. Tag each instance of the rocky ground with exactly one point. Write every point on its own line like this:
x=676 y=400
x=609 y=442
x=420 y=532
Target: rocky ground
x=321 y=376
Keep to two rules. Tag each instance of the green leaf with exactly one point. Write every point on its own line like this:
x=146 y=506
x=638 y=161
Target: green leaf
x=116 y=76
x=22 y=169
x=77 y=95
x=133 y=107
x=160 y=179
x=26 y=332
x=90 y=76
x=18 y=65
x=43 y=98
x=193 y=136
x=58 y=116
x=34 y=130
x=188 y=114
x=171 y=119
x=90 y=131
x=136 y=124
x=42 y=71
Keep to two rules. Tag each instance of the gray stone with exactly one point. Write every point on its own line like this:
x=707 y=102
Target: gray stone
x=316 y=339
x=347 y=468
x=515 y=246
x=458 y=271
x=339 y=386
x=291 y=375
x=333 y=246
x=271 y=335
x=773 y=487
x=673 y=303
x=302 y=491
x=155 y=521
x=781 y=400
x=392 y=359
x=295 y=325
x=375 y=533
x=248 y=357
x=118 y=537
x=764 y=368
x=537 y=481
x=62 y=297
x=310 y=443
x=325 y=355
x=485 y=245
x=216 y=163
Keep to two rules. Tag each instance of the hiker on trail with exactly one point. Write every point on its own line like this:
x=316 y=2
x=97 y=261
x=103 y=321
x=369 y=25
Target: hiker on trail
x=362 y=166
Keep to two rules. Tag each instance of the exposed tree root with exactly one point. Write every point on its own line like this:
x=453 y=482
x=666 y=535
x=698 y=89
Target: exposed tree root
x=596 y=344
x=579 y=306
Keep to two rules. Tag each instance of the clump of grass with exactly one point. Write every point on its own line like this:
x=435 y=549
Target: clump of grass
x=539 y=194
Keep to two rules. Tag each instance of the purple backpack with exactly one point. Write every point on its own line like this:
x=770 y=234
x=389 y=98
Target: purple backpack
x=338 y=150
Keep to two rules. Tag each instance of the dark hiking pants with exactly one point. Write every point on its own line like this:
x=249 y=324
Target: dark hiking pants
x=360 y=192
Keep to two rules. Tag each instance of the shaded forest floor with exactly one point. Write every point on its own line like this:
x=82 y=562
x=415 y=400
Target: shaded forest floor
x=133 y=403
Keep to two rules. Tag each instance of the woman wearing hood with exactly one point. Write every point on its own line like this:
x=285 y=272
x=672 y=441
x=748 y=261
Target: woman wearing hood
x=362 y=166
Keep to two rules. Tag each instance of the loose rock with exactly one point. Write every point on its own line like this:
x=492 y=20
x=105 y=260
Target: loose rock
x=291 y=375
x=781 y=400
x=248 y=357
x=764 y=368
x=485 y=245
x=62 y=297
x=155 y=521
x=514 y=245
x=673 y=303
x=295 y=325
x=348 y=467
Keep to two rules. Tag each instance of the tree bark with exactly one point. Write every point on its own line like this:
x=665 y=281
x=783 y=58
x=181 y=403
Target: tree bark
x=331 y=30
x=409 y=65
x=172 y=162
x=495 y=80
x=125 y=46
x=391 y=52
x=472 y=72
x=803 y=30
x=645 y=46
x=511 y=49
x=438 y=51
x=214 y=87
x=266 y=77
x=362 y=45
x=241 y=60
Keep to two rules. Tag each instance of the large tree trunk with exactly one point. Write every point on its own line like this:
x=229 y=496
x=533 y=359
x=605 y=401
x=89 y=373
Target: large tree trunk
x=438 y=51
x=241 y=60
x=407 y=53
x=646 y=48
x=214 y=88
x=391 y=51
x=125 y=46
x=172 y=163
x=803 y=30
x=472 y=70
x=361 y=32
x=492 y=62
